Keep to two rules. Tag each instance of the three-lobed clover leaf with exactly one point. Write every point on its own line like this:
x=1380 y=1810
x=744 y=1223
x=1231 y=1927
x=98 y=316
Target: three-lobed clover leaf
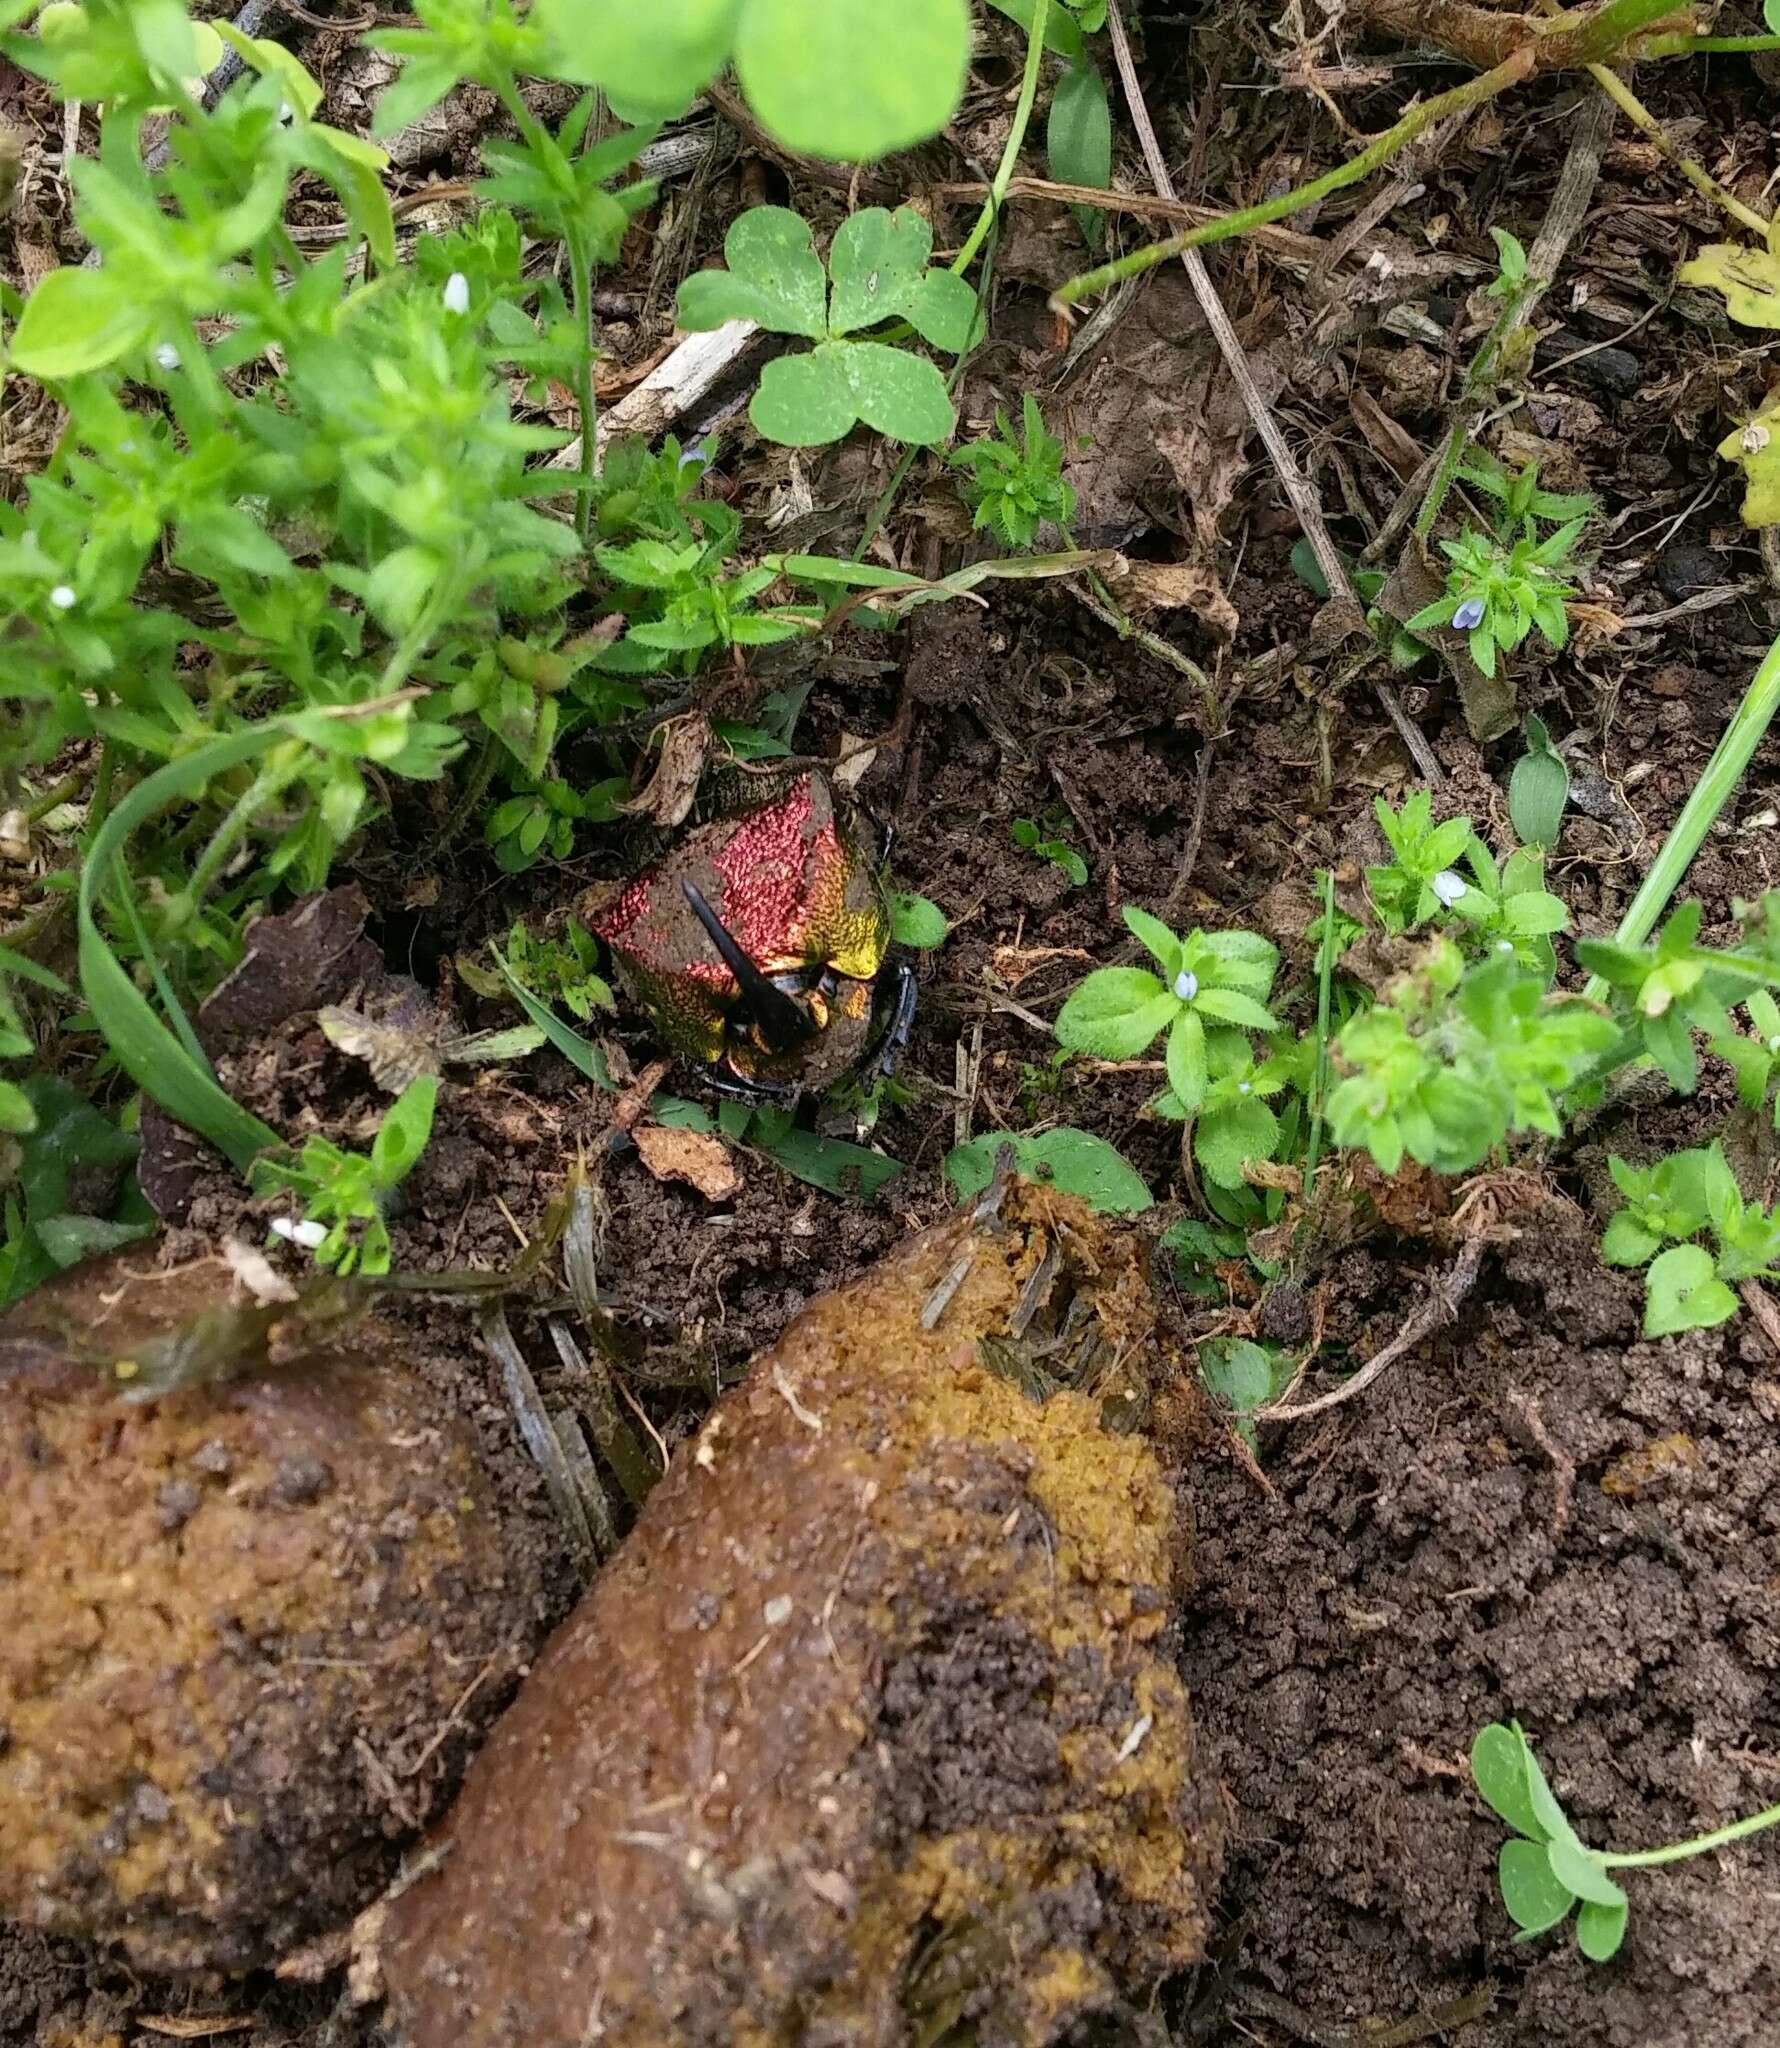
x=848 y=79
x=877 y=272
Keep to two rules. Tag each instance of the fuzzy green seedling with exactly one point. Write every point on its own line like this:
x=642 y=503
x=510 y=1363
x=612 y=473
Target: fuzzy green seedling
x=1030 y=834
x=345 y=1194
x=1545 y=1871
x=1014 y=484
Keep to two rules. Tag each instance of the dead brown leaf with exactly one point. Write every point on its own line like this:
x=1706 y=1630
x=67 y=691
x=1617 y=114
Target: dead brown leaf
x=1173 y=586
x=1667 y=1456
x=667 y=796
x=698 y=1158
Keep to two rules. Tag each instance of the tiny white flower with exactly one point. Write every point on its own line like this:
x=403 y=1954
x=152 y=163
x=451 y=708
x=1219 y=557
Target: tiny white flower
x=167 y=355
x=299 y=1231
x=1469 y=614
x=62 y=597
x=1186 y=985
x=457 y=293
x=1242 y=1088
x=1504 y=945
x=286 y=113
x=1449 y=887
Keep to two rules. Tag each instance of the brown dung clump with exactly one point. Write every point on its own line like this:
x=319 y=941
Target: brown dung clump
x=238 y=1617
x=869 y=1728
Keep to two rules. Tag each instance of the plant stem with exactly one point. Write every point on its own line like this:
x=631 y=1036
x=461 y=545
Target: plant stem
x=264 y=787
x=1690 y=46
x=1482 y=367
x=1710 y=794
x=1473 y=92
x=1696 y=175
x=581 y=287
x=1004 y=171
x=1320 y=1084
x=1647 y=1859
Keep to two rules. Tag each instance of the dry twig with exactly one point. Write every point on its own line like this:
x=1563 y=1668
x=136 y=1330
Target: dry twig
x=1441 y=1306
x=1296 y=485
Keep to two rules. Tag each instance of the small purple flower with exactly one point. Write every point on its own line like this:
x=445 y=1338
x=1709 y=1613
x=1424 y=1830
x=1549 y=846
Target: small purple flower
x=1469 y=614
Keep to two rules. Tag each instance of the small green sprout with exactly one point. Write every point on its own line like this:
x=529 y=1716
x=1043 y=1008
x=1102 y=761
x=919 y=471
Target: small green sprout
x=345 y=1194
x=1507 y=908
x=1245 y=1376
x=1210 y=996
x=917 y=921
x=1456 y=1058
x=1754 y=1060
x=1538 y=789
x=1672 y=1203
x=1014 y=486
x=1032 y=835
x=556 y=970
x=1545 y=1870
x=1498 y=591
x=1212 y=989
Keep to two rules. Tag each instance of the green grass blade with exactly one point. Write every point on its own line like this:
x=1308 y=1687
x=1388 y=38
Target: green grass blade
x=152 y=1055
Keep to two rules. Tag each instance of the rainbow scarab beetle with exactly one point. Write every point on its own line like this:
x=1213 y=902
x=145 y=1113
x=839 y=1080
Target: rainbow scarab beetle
x=760 y=946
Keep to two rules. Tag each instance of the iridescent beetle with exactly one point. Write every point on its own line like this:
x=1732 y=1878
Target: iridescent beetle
x=761 y=947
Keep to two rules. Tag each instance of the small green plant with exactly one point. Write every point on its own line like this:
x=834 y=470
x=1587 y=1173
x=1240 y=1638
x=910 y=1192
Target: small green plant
x=1504 y=583
x=1545 y=1872
x=1672 y=1203
x=1507 y=907
x=345 y=1195
x=1210 y=996
x=1014 y=486
x=1245 y=1376
x=555 y=969
x=1538 y=789
x=1075 y=1161
x=917 y=921
x=877 y=273
x=1455 y=1058
x=1756 y=1059
x=1046 y=842
x=56 y=1136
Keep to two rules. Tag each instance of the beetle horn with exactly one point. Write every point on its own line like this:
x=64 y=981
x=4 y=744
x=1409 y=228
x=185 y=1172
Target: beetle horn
x=784 y=1023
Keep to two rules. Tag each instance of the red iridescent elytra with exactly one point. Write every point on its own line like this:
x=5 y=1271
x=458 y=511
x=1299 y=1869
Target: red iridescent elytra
x=799 y=895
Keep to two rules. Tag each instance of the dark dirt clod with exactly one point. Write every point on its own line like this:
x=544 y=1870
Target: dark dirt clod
x=875 y=1682
x=251 y=1627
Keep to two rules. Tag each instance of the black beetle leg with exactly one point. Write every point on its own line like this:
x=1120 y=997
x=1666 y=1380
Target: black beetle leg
x=899 y=1025
x=725 y=1081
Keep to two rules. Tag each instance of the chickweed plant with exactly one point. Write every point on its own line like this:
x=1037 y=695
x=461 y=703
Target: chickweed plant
x=345 y=1196
x=1507 y=580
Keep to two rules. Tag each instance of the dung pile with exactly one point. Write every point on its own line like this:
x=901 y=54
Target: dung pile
x=250 y=1624
x=870 y=1727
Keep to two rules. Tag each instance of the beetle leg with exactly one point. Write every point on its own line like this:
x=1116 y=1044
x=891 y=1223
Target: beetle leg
x=900 y=1023
x=725 y=1081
